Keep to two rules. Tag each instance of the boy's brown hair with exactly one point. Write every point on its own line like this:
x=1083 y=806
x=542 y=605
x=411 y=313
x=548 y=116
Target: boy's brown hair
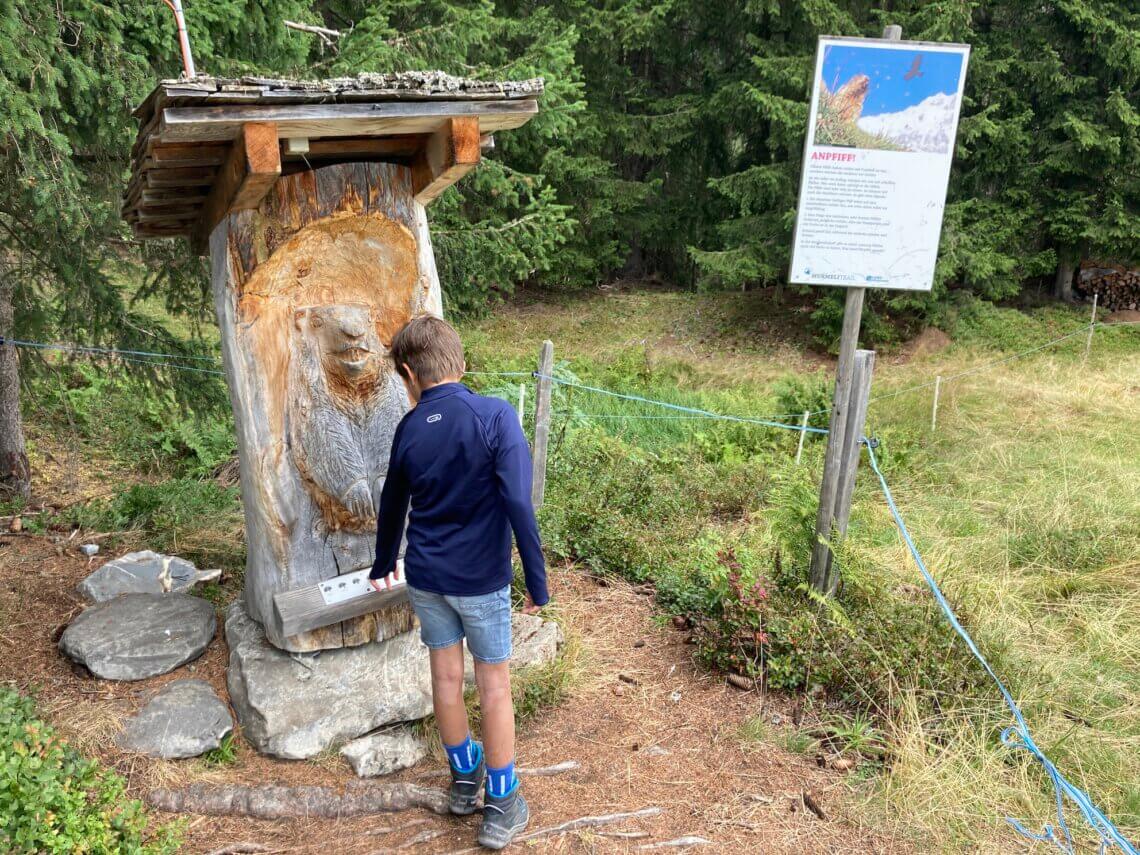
x=430 y=346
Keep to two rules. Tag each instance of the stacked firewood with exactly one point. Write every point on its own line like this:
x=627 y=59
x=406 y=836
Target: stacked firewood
x=1118 y=286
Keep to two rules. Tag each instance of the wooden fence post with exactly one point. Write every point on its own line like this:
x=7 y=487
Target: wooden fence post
x=934 y=409
x=803 y=433
x=853 y=433
x=542 y=421
x=837 y=426
x=1092 y=326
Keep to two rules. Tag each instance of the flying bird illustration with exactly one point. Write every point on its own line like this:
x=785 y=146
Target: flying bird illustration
x=914 y=72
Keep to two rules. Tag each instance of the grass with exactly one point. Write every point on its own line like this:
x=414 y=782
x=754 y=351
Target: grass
x=1024 y=504
x=832 y=128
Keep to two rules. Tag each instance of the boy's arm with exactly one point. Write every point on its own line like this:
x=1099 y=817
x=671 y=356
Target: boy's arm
x=394 y=498
x=513 y=470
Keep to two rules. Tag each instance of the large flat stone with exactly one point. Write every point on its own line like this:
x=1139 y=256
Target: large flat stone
x=136 y=636
x=184 y=719
x=385 y=752
x=296 y=705
x=143 y=572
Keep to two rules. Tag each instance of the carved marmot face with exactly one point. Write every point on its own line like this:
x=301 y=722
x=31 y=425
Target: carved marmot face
x=345 y=337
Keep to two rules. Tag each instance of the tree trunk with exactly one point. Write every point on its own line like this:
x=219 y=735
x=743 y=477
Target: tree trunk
x=15 y=474
x=332 y=262
x=1063 y=284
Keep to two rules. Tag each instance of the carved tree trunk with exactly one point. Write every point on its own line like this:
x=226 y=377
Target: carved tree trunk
x=15 y=474
x=309 y=290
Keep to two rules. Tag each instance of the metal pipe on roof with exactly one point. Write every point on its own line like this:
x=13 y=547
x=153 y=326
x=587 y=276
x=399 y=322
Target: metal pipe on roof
x=183 y=37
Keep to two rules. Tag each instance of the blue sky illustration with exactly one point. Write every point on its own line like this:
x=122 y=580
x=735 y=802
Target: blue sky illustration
x=890 y=91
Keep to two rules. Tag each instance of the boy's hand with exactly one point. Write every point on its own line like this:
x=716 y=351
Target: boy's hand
x=529 y=607
x=386 y=582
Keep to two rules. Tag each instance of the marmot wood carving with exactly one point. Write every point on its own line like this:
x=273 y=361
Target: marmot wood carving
x=345 y=401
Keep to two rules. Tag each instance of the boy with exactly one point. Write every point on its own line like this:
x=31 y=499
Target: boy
x=463 y=463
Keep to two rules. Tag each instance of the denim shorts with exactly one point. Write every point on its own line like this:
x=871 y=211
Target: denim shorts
x=485 y=620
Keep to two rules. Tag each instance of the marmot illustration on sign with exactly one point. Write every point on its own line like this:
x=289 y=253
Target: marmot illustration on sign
x=848 y=99
x=344 y=404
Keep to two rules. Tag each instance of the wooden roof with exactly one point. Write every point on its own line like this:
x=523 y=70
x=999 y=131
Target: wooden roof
x=190 y=133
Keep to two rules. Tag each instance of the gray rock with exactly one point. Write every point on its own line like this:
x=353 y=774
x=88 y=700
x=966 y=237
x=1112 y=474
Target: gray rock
x=534 y=641
x=184 y=719
x=385 y=752
x=136 y=636
x=297 y=705
x=143 y=573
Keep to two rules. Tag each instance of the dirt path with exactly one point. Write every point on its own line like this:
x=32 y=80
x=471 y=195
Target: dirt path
x=667 y=736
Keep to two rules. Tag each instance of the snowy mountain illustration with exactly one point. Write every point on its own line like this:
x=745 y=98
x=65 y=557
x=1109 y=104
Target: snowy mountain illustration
x=927 y=126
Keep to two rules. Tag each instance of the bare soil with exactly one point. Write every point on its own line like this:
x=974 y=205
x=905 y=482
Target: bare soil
x=648 y=727
x=927 y=343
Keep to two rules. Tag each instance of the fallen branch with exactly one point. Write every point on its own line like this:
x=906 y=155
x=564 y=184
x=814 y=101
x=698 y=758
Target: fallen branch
x=574 y=825
x=276 y=802
x=239 y=849
x=677 y=843
x=423 y=837
x=548 y=771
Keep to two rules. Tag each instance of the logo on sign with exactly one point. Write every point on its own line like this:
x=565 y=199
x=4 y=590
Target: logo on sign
x=434 y=418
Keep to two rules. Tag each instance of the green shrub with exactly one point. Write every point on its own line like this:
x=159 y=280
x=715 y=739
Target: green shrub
x=727 y=545
x=194 y=518
x=807 y=393
x=53 y=800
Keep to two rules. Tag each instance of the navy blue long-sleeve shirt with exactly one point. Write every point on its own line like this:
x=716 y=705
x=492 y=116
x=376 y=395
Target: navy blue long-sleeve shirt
x=462 y=461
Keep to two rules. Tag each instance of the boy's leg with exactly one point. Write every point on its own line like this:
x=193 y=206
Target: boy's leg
x=494 y=682
x=441 y=629
x=447 y=694
x=487 y=624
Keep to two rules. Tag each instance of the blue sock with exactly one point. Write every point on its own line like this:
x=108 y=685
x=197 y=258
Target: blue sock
x=465 y=756
x=502 y=782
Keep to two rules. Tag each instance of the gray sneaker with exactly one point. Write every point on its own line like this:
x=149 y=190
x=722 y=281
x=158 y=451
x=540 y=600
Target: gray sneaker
x=466 y=787
x=503 y=819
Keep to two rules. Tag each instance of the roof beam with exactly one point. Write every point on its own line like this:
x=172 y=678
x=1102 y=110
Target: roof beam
x=252 y=167
x=315 y=121
x=449 y=154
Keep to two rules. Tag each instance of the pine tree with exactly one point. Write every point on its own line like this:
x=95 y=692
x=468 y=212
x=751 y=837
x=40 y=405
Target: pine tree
x=70 y=73
x=514 y=218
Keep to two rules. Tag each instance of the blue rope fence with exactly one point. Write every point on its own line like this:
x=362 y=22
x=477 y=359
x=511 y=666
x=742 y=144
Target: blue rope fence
x=1016 y=736
x=693 y=412
x=141 y=357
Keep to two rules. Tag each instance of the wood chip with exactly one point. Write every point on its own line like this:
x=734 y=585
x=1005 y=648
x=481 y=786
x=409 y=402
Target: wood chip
x=811 y=804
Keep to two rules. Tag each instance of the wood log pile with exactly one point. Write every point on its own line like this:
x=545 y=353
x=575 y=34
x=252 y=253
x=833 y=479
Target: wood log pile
x=1118 y=286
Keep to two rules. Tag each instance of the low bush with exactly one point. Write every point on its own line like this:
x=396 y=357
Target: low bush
x=197 y=519
x=53 y=800
x=727 y=544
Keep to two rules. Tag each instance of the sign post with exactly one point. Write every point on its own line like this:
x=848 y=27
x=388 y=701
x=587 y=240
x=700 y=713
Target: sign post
x=877 y=155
